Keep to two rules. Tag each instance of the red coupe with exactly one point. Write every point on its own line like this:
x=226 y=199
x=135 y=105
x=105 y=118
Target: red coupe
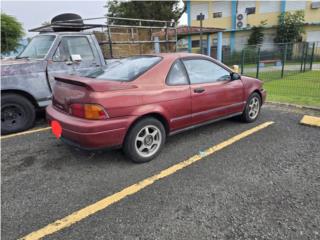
x=138 y=101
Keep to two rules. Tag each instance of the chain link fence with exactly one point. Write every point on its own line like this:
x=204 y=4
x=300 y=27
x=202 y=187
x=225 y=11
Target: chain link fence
x=290 y=71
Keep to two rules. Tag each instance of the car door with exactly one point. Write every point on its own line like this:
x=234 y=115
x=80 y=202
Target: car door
x=62 y=61
x=213 y=93
x=178 y=90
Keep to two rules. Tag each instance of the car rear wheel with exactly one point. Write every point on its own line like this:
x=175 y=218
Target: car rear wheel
x=17 y=113
x=252 y=109
x=144 y=140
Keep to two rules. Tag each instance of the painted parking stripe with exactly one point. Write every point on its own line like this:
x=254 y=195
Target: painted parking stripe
x=310 y=120
x=109 y=200
x=25 y=133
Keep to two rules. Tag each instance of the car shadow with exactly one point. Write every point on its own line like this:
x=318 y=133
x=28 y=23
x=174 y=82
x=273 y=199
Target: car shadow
x=70 y=156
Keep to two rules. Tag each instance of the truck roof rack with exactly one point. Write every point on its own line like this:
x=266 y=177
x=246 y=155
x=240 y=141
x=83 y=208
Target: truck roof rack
x=138 y=31
x=76 y=25
x=66 y=26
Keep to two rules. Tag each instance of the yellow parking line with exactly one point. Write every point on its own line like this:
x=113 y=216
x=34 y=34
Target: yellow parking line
x=310 y=120
x=25 y=133
x=105 y=202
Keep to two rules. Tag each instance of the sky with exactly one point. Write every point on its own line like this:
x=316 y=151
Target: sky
x=33 y=13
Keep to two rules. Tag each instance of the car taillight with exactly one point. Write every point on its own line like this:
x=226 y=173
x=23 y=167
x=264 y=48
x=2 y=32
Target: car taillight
x=88 y=111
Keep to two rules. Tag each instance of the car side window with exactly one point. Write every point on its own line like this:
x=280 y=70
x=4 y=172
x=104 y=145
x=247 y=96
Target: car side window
x=205 y=71
x=177 y=75
x=73 y=46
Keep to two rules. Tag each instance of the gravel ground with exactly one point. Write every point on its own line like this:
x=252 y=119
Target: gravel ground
x=266 y=186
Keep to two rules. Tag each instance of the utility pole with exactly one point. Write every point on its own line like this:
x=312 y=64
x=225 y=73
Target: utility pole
x=200 y=18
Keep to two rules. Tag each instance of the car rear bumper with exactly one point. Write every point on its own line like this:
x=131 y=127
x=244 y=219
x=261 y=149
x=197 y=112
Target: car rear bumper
x=90 y=134
x=263 y=95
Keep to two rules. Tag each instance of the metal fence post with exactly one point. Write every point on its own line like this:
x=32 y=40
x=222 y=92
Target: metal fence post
x=258 y=63
x=167 y=38
x=110 y=41
x=305 y=57
x=284 y=59
x=312 y=54
x=302 y=57
x=242 y=61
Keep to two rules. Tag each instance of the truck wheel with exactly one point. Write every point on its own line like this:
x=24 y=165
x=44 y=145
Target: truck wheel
x=145 y=140
x=17 y=113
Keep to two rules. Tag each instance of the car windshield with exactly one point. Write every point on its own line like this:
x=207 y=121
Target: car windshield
x=38 y=47
x=125 y=69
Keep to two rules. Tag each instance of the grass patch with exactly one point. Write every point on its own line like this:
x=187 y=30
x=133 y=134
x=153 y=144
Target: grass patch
x=301 y=88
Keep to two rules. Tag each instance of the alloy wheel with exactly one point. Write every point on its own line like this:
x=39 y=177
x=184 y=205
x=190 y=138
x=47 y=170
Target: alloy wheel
x=254 y=107
x=148 y=141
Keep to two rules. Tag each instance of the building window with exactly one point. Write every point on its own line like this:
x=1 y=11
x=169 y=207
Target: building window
x=195 y=43
x=315 y=4
x=243 y=5
x=250 y=10
x=217 y=15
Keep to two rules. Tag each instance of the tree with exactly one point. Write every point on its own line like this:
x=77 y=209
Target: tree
x=290 y=28
x=256 y=36
x=11 y=33
x=156 y=10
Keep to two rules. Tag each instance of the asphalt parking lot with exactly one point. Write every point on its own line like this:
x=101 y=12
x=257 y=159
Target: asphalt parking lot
x=264 y=186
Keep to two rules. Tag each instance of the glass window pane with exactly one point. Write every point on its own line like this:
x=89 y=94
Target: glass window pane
x=38 y=47
x=204 y=71
x=81 y=46
x=177 y=75
x=73 y=46
x=61 y=54
x=125 y=69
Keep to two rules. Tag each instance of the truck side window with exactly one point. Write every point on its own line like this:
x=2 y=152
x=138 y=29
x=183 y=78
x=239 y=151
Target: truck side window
x=61 y=55
x=73 y=46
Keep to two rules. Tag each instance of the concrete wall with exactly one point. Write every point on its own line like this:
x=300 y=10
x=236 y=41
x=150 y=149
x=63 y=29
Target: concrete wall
x=265 y=10
x=269 y=10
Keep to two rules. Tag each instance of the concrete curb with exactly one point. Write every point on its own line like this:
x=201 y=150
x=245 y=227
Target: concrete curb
x=294 y=105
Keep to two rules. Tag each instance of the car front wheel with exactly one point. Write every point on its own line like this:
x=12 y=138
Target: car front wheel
x=252 y=109
x=145 y=140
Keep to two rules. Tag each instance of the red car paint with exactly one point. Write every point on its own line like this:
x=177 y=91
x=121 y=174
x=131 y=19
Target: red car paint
x=178 y=107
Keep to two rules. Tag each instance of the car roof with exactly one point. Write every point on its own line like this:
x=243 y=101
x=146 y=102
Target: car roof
x=170 y=56
x=179 y=55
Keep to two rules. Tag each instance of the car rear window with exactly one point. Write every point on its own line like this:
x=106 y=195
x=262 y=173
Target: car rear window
x=126 y=69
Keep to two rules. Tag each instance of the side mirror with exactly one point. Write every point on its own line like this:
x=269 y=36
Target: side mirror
x=76 y=58
x=235 y=76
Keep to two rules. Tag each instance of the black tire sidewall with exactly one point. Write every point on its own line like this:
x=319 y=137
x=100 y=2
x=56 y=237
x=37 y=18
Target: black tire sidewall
x=245 y=114
x=26 y=105
x=129 y=143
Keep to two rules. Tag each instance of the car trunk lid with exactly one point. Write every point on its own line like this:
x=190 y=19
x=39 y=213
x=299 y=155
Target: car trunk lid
x=75 y=89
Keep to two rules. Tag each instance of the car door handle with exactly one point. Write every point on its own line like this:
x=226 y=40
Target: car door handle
x=198 y=90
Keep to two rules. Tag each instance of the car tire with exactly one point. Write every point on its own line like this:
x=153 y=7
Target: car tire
x=252 y=109
x=144 y=140
x=17 y=113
